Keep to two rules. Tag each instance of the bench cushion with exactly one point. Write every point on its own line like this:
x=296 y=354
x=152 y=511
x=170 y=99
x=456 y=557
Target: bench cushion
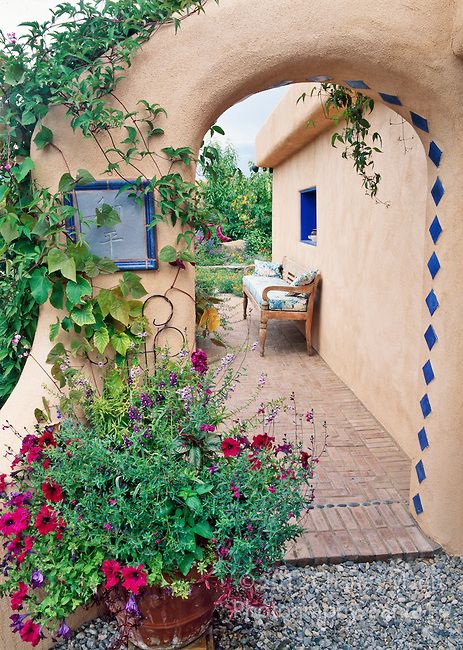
x=267 y=269
x=277 y=300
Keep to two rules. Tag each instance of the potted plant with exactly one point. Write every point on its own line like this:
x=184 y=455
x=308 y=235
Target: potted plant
x=148 y=497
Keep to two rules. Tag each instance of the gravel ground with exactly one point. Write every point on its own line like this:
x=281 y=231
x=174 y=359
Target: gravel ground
x=399 y=604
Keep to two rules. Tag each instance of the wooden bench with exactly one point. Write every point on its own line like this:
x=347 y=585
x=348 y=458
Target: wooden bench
x=290 y=271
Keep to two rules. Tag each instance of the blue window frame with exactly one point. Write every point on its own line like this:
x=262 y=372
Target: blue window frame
x=132 y=243
x=309 y=216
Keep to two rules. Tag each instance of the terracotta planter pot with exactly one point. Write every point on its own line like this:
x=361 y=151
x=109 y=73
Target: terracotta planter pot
x=170 y=622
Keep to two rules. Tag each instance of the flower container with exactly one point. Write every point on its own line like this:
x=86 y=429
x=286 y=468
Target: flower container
x=170 y=622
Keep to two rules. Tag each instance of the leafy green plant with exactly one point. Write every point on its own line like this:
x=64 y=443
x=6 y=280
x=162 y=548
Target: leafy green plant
x=144 y=494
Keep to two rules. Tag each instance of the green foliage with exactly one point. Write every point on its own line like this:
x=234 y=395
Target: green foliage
x=241 y=204
x=215 y=281
x=148 y=480
x=351 y=107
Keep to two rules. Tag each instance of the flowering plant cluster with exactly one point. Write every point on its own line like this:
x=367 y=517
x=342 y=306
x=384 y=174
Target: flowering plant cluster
x=163 y=491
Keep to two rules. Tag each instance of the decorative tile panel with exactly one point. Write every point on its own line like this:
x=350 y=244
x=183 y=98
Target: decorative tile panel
x=435 y=154
x=390 y=99
x=423 y=439
x=431 y=337
x=319 y=78
x=432 y=302
x=357 y=84
x=435 y=229
x=433 y=265
x=417 y=504
x=421 y=474
x=425 y=406
x=437 y=191
x=428 y=372
x=420 y=122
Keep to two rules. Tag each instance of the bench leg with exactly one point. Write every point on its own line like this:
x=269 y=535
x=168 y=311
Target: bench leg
x=245 y=304
x=308 y=335
x=262 y=334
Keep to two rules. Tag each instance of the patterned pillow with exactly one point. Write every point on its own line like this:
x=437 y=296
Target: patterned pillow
x=305 y=278
x=267 y=269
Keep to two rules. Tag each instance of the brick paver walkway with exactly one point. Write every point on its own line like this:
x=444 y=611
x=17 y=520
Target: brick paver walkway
x=361 y=489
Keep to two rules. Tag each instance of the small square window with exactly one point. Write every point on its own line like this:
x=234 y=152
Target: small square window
x=309 y=216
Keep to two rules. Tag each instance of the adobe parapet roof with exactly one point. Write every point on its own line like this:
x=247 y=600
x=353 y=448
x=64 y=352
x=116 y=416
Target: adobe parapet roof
x=286 y=131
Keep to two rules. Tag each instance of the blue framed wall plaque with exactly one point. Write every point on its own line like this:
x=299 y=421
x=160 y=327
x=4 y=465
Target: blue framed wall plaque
x=130 y=244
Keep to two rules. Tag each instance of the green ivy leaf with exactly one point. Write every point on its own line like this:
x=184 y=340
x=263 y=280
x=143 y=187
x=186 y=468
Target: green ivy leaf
x=187 y=256
x=83 y=315
x=40 y=285
x=56 y=353
x=186 y=563
x=121 y=343
x=105 y=265
x=120 y=310
x=75 y=291
x=43 y=138
x=107 y=216
x=9 y=230
x=167 y=254
x=58 y=260
x=66 y=183
x=15 y=73
x=105 y=300
x=84 y=177
x=57 y=295
x=21 y=171
x=101 y=339
x=203 y=528
x=54 y=330
x=131 y=283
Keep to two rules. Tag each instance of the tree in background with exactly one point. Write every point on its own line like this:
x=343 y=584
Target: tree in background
x=242 y=204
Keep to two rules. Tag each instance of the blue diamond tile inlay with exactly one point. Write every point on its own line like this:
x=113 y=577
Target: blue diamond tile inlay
x=435 y=153
x=417 y=504
x=433 y=265
x=419 y=122
x=423 y=439
x=435 y=229
x=391 y=99
x=431 y=337
x=356 y=83
x=437 y=191
x=421 y=474
x=319 y=78
x=428 y=372
x=432 y=302
x=425 y=406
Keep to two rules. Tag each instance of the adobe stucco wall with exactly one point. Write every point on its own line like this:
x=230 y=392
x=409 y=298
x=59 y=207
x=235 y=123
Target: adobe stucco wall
x=370 y=258
x=239 y=47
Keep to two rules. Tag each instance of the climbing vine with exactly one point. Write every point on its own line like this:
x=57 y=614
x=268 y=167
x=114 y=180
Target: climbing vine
x=76 y=59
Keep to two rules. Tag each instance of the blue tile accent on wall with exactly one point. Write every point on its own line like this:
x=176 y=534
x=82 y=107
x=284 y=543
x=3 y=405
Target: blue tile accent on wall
x=435 y=153
x=435 y=229
x=419 y=121
x=428 y=372
x=417 y=504
x=356 y=83
x=421 y=474
x=431 y=337
x=432 y=302
x=423 y=439
x=391 y=99
x=425 y=406
x=319 y=78
x=437 y=191
x=433 y=265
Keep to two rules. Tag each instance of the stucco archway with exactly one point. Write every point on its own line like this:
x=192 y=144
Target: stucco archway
x=403 y=51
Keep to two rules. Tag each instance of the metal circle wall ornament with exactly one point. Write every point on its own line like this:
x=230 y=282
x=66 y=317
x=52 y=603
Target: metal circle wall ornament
x=163 y=326
x=100 y=363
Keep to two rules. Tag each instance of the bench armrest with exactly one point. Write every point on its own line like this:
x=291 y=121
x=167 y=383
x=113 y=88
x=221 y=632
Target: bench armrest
x=305 y=289
x=248 y=268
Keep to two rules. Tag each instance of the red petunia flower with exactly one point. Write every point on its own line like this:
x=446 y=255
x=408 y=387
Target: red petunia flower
x=262 y=441
x=230 y=447
x=47 y=439
x=28 y=543
x=46 y=463
x=13 y=523
x=28 y=442
x=305 y=459
x=18 y=597
x=46 y=521
x=256 y=463
x=112 y=571
x=134 y=578
x=3 y=482
x=30 y=633
x=60 y=528
x=33 y=454
x=52 y=491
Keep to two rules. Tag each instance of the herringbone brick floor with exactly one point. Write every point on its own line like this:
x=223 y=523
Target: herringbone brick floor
x=361 y=489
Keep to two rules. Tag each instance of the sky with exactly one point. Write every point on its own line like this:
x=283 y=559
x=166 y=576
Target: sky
x=240 y=123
